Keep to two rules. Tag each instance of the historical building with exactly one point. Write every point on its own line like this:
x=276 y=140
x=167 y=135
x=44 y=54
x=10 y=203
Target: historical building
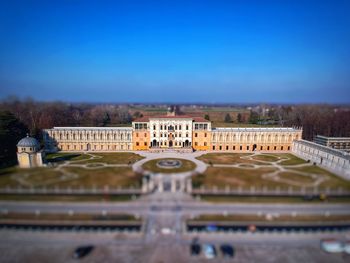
x=88 y=139
x=339 y=143
x=28 y=153
x=171 y=131
x=331 y=159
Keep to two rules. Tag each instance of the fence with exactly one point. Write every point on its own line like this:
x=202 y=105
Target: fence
x=71 y=191
x=277 y=191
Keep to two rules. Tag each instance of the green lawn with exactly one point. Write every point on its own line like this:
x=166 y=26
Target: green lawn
x=109 y=158
x=115 y=158
x=290 y=175
x=234 y=177
x=152 y=166
x=49 y=177
x=112 y=176
x=226 y=158
x=265 y=158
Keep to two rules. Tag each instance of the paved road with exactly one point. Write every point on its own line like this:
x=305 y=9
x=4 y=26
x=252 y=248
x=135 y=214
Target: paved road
x=164 y=204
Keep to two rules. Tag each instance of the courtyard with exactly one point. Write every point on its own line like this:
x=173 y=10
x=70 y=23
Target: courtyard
x=76 y=170
x=269 y=171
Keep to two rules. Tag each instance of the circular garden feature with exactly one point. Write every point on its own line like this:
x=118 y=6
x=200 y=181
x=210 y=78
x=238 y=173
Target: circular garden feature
x=169 y=165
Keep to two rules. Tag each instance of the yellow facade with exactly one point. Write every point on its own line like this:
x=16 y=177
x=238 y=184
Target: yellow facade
x=141 y=140
x=201 y=140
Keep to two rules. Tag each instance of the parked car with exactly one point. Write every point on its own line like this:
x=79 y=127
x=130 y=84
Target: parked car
x=347 y=247
x=332 y=246
x=82 y=251
x=195 y=249
x=227 y=251
x=212 y=228
x=209 y=251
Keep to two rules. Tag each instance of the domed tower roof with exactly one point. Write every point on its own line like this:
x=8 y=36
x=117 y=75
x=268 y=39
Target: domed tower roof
x=28 y=142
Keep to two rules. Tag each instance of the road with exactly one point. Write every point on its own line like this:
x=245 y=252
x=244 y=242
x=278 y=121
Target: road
x=162 y=211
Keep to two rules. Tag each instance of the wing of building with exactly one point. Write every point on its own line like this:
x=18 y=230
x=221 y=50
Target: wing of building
x=175 y=132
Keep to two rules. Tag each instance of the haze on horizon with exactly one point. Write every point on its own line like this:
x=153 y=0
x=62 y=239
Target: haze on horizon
x=184 y=51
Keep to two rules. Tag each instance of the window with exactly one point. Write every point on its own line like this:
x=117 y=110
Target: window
x=205 y=134
x=288 y=148
x=187 y=127
x=261 y=148
x=240 y=147
x=205 y=143
x=248 y=148
x=179 y=127
x=226 y=147
x=196 y=135
x=214 y=147
x=275 y=148
x=186 y=134
x=154 y=127
x=137 y=143
x=196 y=143
x=145 y=134
x=268 y=148
x=145 y=144
x=281 y=148
x=137 y=134
x=161 y=127
x=154 y=135
x=220 y=148
x=234 y=148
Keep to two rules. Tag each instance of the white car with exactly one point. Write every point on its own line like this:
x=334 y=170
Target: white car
x=209 y=251
x=347 y=247
x=332 y=246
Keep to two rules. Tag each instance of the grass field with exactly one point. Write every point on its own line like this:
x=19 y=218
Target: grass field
x=57 y=175
x=111 y=176
x=108 y=158
x=288 y=172
x=226 y=158
x=152 y=166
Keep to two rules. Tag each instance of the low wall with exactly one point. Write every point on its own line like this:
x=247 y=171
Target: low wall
x=331 y=159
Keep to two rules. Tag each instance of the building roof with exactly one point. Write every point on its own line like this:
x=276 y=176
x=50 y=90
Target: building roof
x=92 y=128
x=28 y=142
x=256 y=129
x=333 y=138
x=147 y=118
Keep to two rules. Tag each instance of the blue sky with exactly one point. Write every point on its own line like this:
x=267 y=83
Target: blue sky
x=176 y=51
